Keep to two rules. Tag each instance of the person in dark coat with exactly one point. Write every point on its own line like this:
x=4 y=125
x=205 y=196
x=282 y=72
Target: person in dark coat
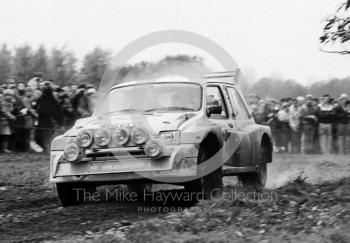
x=341 y=114
x=49 y=116
x=325 y=114
x=66 y=108
x=80 y=102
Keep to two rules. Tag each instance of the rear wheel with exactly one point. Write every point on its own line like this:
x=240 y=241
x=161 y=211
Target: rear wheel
x=72 y=193
x=209 y=185
x=257 y=180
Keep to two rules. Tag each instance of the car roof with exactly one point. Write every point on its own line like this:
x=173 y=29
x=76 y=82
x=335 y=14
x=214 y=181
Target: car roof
x=228 y=78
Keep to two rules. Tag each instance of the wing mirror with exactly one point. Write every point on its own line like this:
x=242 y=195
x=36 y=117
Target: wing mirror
x=213 y=107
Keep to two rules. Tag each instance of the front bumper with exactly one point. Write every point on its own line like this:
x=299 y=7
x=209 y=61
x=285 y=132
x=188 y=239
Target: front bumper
x=178 y=165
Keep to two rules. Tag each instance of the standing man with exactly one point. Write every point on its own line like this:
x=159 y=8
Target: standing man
x=80 y=102
x=347 y=131
x=282 y=141
x=49 y=112
x=325 y=115
x=343 y=121
x=295 y=124
x=6 y=118
x=309 y=122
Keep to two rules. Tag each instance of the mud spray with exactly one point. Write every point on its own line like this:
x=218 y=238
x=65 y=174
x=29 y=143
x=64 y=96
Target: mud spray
x=280 y=175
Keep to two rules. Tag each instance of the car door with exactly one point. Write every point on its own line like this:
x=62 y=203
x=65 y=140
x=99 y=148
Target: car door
x=242 y=126
x=215 y=94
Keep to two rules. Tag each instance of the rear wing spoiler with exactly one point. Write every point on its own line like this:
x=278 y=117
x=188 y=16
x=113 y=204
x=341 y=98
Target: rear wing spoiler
x=233 y=76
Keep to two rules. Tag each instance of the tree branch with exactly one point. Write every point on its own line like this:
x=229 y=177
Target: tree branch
x=336 y=52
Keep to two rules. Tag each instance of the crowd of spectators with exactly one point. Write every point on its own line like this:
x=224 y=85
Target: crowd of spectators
x=32 y=112
x=307 y=124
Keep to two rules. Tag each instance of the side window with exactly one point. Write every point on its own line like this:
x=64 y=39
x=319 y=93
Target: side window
x=232 y=101
x=239 y=108
x=215 y=99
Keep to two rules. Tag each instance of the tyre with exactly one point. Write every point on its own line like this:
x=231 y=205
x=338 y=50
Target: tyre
x=72 y=194
x=209 y=185
x=257 y=180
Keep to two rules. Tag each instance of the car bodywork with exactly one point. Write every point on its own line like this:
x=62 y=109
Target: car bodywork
x=236 y=134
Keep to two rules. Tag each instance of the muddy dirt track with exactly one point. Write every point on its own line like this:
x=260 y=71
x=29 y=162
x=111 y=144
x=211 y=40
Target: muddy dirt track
x=307 y=199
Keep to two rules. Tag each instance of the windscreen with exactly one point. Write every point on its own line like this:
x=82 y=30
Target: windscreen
x=160 y=97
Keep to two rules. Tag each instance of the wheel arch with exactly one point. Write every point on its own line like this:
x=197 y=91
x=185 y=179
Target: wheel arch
x=212 y=141
x=266 y=144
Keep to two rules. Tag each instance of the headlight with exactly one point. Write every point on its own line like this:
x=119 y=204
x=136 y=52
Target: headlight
x=120 y=136
x=153 y=148
x=71 y=152
x=171 y=137
x=84 y=139
x=139 y=135
x=102 y=137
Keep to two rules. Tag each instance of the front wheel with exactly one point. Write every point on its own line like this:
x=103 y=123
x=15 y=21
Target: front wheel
x=209 y=185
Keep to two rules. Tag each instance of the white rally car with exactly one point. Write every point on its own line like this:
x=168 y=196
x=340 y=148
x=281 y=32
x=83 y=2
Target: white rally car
x=185 y=132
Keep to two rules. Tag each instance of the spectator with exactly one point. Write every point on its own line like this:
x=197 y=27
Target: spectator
x=92 y=98
x=252 y=102
x=80 y=102
x=21 y=89
x=10 y=83
x=6 y=117
x=73 y=89
x=341 y=115
x=33 y=83
x=295 y=113
x=29 y=117
x=66 y=107
x=260 y=115
x=275 y=125
x=309 y=124
x=282 y=140
x=325 y=116
x=49 y=112
x=347 y=131
x=16 y=141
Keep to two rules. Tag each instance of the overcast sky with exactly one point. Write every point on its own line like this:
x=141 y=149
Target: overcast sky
x=271 y=37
